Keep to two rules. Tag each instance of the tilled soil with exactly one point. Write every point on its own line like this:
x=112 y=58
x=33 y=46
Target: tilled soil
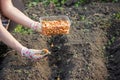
x=80 y=55
x=114 y=51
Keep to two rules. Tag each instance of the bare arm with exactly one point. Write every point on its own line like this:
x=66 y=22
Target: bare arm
x=14 y=14
x=8 y=39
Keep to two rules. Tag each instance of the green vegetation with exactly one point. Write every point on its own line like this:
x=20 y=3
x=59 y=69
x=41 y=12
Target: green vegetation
x=116 y=31
x=78 y=3
x=117 y=15
x=22 y=30
x=112 y=40
x=82 y=17
x=59 y=3
x=114 y=1
x=32 y=4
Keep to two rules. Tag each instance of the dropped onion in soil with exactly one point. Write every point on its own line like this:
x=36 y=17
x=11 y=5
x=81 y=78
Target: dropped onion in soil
x=55 y=25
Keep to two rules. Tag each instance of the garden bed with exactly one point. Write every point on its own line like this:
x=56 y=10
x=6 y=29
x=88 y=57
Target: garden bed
x=80 y=55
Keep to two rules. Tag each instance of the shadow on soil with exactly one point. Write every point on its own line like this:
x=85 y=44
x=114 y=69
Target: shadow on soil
x=59 y=60
x=113 y=51
x=3 y=49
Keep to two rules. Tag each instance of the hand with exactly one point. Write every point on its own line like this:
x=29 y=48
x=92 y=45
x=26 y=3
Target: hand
x=36 y=26
x=34 y=54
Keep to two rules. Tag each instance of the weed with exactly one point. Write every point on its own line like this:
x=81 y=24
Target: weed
x=111 y=41
x=22 y=30
x=117 y=15
x=58 y=3
x=114 y=1
x=32 y=4
x=78 y=3
x=82 y=17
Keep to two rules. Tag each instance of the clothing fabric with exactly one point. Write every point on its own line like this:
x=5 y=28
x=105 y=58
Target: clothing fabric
x=5 y=21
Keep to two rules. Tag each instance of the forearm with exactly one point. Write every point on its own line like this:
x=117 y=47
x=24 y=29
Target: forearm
x=9 y=40
x=14 y=14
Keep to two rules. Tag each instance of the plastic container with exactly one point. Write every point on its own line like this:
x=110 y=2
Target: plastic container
x=55 y=25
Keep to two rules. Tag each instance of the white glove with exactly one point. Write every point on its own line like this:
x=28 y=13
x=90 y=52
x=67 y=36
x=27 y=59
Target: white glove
x=36 y=26
x=34 y=54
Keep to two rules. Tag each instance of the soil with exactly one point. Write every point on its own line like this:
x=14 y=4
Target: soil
x=80 y=55
x=114 y=51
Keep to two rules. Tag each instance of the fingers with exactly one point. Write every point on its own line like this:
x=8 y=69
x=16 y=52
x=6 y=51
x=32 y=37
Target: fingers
x=39 y=54
x=43 y=57
x=36 y=26
x=34 y=54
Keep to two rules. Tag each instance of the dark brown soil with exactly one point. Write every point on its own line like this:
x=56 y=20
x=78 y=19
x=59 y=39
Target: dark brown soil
x=80 y=55
x=114 y=51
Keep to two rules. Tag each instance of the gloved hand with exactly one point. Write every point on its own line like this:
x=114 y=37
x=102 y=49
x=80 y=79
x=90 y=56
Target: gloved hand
x=34 y=54
x=36 y=26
